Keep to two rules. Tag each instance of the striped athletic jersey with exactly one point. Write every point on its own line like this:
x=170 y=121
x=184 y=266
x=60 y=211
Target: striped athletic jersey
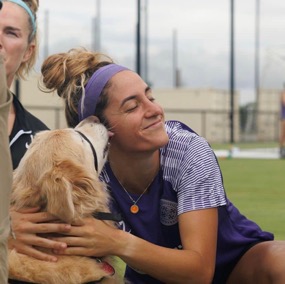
x=189 y=179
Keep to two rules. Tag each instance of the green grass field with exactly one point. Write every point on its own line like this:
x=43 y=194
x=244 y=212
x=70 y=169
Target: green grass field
x=257 y=188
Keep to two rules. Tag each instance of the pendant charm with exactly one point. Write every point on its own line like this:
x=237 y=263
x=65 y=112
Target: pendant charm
x=134 y=209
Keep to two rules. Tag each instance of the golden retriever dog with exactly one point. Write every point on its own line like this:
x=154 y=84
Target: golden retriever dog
x=59 y=173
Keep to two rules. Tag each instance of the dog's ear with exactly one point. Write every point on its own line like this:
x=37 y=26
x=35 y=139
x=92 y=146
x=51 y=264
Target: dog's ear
x=57 y=188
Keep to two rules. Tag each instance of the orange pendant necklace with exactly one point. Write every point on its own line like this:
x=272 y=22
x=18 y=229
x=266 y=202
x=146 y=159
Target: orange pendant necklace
x=134 y=207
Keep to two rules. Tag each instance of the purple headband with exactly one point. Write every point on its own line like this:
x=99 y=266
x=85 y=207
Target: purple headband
x=94 y=87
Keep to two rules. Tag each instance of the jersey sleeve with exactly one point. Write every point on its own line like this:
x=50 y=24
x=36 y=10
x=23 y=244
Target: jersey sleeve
x=200 y=183
x=192 y=169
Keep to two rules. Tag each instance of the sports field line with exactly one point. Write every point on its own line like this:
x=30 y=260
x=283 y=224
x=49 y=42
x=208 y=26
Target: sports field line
x=258 y=153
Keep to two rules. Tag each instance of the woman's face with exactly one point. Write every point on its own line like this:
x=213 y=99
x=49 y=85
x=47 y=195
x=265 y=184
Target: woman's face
x=134 y=116
x=14 y=33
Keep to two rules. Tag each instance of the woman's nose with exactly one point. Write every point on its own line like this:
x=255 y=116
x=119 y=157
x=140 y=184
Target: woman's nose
x=153 y=108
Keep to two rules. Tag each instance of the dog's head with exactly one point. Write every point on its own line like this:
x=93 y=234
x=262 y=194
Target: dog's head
x=58 y=172
x=95 y=134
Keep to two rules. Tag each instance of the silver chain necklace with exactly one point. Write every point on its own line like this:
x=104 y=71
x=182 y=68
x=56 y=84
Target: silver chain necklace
x=134 y=207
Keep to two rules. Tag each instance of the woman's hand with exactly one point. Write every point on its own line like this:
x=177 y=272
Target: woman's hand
x=26 y=227
x=92 y=238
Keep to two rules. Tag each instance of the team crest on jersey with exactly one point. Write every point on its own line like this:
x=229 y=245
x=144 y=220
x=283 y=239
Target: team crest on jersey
x=168 y=212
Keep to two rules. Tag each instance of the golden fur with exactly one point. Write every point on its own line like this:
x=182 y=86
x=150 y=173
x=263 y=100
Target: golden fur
x=58 y=174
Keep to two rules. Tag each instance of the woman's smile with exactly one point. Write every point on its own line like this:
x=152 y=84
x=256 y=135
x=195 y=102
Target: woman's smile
x=155 y=125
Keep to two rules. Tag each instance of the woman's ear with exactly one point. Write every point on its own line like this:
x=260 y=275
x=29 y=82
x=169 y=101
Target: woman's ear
x=29 y=51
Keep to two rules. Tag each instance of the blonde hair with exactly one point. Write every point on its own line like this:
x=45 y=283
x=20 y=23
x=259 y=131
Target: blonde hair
x=26 y=67
x=68 y=73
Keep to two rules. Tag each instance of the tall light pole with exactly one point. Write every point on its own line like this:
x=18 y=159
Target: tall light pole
x=256 y=80
x=232 y=74
x=138 y=45
x=176 y=79
x=96 y=31
x=146 y=42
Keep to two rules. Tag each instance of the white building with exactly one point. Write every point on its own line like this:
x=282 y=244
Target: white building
x=206 y=111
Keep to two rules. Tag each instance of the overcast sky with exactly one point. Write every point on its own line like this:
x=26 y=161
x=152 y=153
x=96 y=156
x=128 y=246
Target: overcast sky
x=202 y=30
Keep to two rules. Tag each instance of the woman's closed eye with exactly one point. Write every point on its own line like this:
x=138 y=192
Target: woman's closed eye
x=132 y=107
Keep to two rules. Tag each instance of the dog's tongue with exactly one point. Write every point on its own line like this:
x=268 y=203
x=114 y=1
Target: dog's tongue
x=105 y=266
x=110 y=133
x=108 y=268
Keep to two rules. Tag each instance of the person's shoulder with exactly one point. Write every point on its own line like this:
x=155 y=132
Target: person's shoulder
x=175 y=125
x=176 y=129
x=180 y=136
x=35 y=123
x=27 y=119
x=183 y=137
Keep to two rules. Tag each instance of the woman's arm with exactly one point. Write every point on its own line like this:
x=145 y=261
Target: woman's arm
x=195 y=263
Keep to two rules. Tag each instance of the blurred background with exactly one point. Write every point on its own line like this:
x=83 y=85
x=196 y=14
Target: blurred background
x=201 y=30
x=216 y=65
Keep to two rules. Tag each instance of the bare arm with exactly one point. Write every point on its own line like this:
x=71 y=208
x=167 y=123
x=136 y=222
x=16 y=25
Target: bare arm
x=194 y=264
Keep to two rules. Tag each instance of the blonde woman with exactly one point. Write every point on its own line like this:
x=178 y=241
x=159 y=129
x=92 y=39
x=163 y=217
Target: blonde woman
x=18 y=45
